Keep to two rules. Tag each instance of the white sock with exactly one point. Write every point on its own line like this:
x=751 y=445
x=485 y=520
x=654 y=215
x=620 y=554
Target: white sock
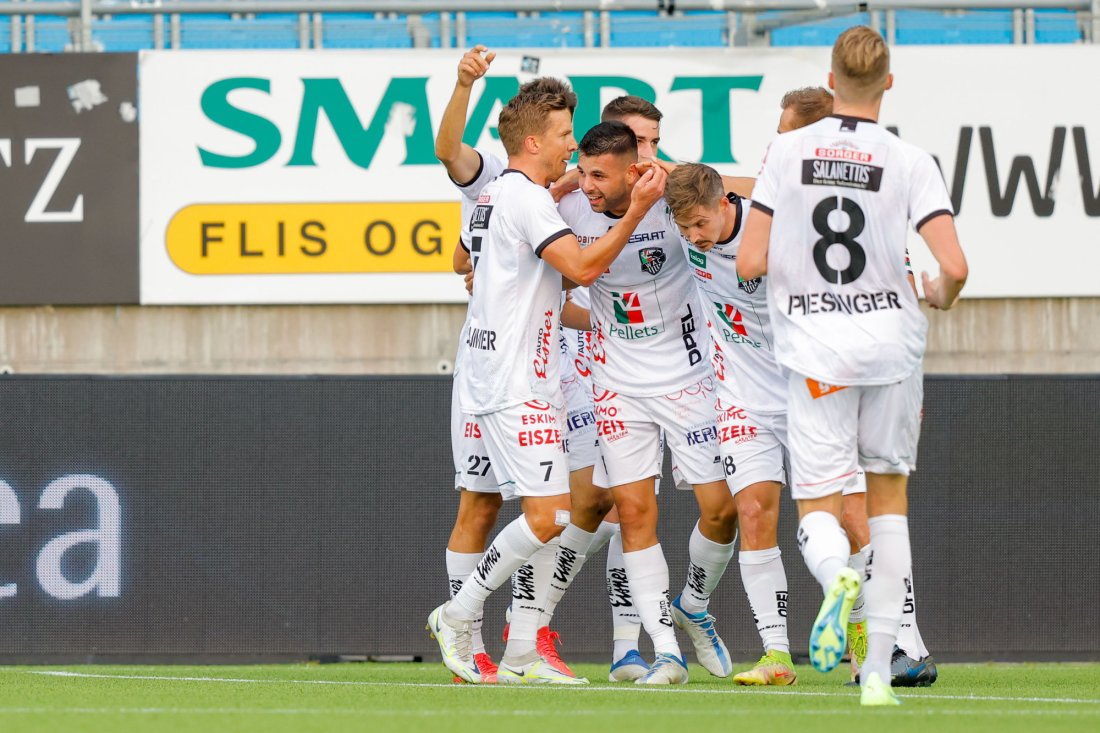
x=648 y=574
x=625 y=623
x=707 y=562
x=510 y=549
x=909 y=638
x=568 y=561
x=887 y=566
x=459 y=567
x=603 y=535
x=529 y=587
x=858 y=562
x=824 y=546
x=766 y=587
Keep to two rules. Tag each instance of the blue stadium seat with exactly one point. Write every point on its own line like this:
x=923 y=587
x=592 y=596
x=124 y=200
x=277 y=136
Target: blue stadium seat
x=358 y=30
x=51 y=34
x=123 y=32
x=508 y=30
x=820 y=33
x=5 y=34
x=969 y=26
x=703 y=28
x=1057 y=26
x=223 y=31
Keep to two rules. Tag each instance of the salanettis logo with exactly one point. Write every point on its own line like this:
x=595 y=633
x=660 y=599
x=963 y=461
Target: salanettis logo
x=628 y=308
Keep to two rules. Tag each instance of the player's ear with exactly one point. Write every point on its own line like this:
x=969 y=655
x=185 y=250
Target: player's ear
x=889 y=81
x=832 y=81
x=632 y=174
x=531 y=145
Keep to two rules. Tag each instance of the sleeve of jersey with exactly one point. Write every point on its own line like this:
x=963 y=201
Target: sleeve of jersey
x=928 y=197
x=489 y=167
x=764 y=190
x=541 y=224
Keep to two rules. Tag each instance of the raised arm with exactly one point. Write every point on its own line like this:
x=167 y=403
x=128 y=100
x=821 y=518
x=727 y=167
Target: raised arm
x=584 y=265
x=461 y=161
x=752 y=257
x=943 y=241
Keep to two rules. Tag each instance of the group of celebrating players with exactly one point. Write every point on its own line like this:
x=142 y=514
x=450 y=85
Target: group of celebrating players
x=623 y=307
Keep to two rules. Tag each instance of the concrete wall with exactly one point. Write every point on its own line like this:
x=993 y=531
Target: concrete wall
x=978 y=337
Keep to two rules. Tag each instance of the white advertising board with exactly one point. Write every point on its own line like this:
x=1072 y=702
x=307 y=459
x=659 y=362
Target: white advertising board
x=310 y=177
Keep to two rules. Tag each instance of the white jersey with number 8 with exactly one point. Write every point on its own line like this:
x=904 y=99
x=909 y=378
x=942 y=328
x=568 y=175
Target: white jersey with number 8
x=841 y=193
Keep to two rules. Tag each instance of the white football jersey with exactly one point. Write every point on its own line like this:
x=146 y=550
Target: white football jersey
x=490 y=167
x=512 y=328
x=649 y=338
x=737 y=314
x=841 y=193
x=574 y=345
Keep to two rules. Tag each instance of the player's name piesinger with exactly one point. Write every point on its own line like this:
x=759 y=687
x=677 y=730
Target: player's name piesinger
x=838 y=303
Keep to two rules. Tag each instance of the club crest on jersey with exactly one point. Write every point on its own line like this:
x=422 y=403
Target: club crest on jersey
x=653 y=259
x=749 y=286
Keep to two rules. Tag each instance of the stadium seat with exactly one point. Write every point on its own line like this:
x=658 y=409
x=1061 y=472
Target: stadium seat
x=51 y=34
x=123 y=33
x=364 y=30
x=658 y=29
x=820 y=33
x=969 y=26
x=509 y=30
x=5 y=34
x=1057 y=26
x=224 y=31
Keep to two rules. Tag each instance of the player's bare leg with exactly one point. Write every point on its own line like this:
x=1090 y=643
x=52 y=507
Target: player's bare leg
x=765 y=582
x=709 y=549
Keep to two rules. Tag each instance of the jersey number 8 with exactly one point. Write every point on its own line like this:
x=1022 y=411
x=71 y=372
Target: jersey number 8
x=847 y=239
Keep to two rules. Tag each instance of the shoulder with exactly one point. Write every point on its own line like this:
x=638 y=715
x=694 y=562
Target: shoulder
x=491 y=164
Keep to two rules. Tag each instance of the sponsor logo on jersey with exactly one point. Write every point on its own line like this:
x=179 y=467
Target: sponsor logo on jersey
x=541 y=436
x=580 y=419
x=850 y=304
x=472 y=430
x=841 y=173
x=645 y=236
x=687 y=333
x=542 y=345
x=821 y=389
x=628 y=314
x=857 y=156
x=733 y=424
x=702 y=435
x=652 y=258
x=482 y=338
x=480 y=218
x=734 y=330
x=699 y=259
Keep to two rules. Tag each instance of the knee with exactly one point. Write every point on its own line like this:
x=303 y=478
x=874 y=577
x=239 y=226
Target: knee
x=634 y=514
x=480 y=514
x=722 y=515
x=592 y=507
x=543 y=524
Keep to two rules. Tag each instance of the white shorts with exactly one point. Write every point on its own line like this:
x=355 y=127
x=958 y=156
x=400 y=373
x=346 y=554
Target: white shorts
x=629 y=430
x=473 y=470
x=836 y=431
x=860 y=485
x=580 y=440
x=753 y=446
x=527 y=449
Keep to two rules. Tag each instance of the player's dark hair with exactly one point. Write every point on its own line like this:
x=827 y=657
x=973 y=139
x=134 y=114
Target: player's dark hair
x=613 y=138
x=623 y=107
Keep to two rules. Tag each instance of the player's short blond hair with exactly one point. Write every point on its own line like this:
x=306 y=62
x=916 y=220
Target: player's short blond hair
x=861 y=63
x=528 y=112
x=810 y=104
x=620 y=108
x=690 y=185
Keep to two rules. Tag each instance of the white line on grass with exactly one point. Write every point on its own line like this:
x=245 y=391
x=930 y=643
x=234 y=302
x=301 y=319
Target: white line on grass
x=576 y=688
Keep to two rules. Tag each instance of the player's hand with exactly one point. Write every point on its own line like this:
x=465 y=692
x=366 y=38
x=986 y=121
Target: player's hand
x=646 y=163
x=469 y=277
x=568 y=183
x=934 y=293
x=648 y=190
x=474 y=65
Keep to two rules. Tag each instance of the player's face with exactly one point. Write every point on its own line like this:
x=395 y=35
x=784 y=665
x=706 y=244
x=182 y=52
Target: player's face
x=702 y=225
x=556 y=143
x=787 y=120
x=607 y=181
x=648 y=133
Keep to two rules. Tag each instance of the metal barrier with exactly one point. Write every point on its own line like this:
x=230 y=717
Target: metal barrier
x=744 y=22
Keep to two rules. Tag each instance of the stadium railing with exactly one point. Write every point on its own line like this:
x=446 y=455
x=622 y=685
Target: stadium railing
x=128 y=25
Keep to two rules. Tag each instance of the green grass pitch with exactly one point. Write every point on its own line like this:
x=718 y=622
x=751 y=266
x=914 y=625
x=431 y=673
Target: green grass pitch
x=419 y=697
